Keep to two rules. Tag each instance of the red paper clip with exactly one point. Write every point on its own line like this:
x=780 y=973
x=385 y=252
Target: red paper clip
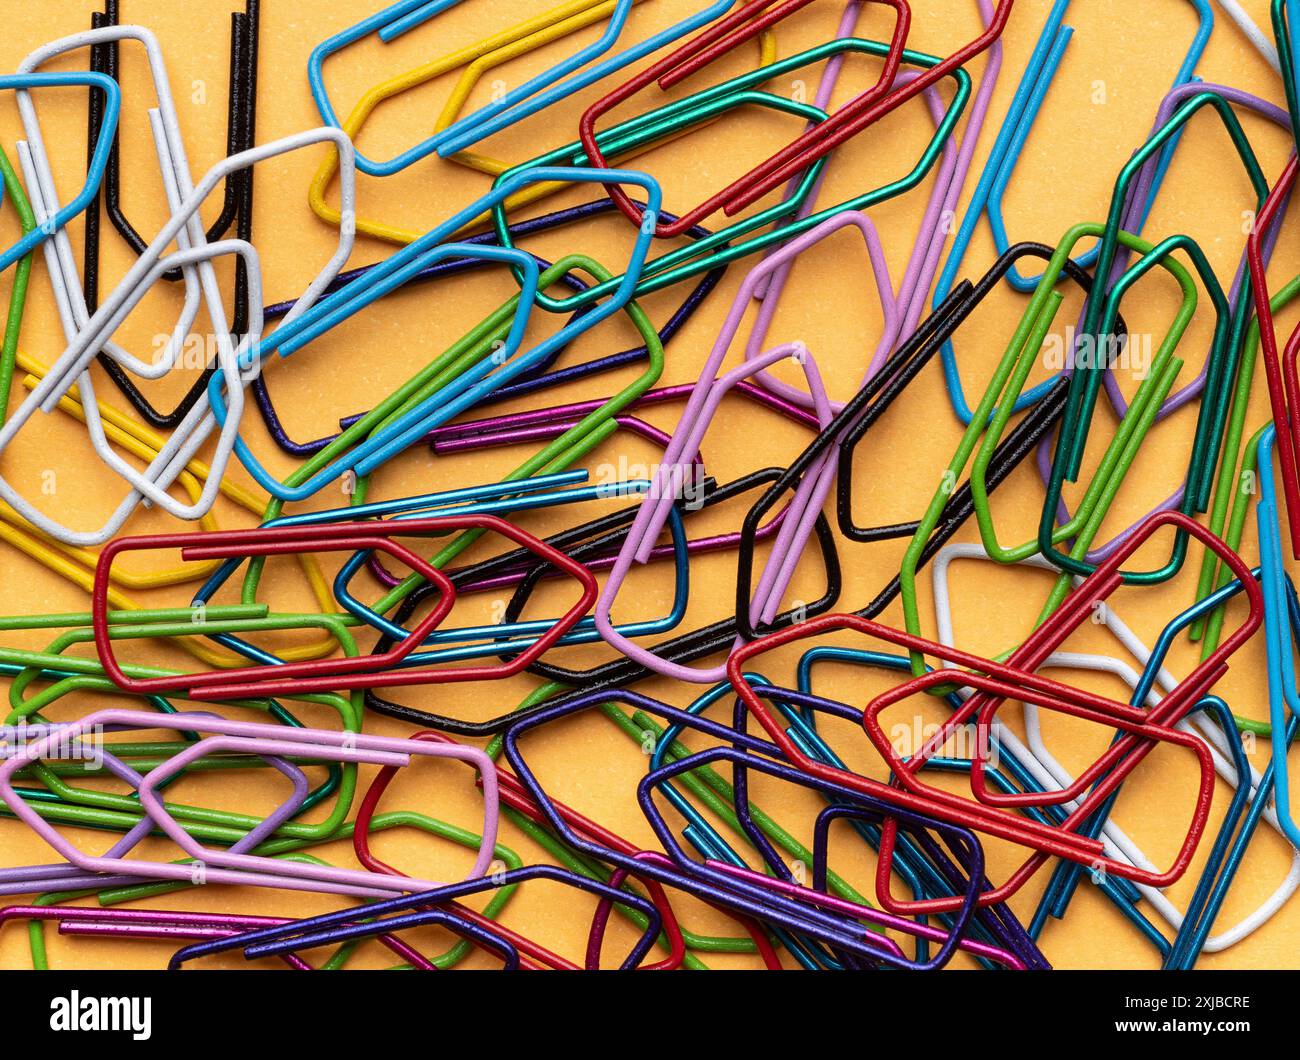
x=250 y=682
x=716 y=41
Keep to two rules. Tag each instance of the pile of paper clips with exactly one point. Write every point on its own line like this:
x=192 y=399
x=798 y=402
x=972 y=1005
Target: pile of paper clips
x=972 y=841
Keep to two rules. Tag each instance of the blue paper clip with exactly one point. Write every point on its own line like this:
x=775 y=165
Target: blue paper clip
x=1282 y=695
x=1192 y=940
x=987 y=198
x=392 y=22
x=98 y=160
x=475 y=384
x=1185 y=75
